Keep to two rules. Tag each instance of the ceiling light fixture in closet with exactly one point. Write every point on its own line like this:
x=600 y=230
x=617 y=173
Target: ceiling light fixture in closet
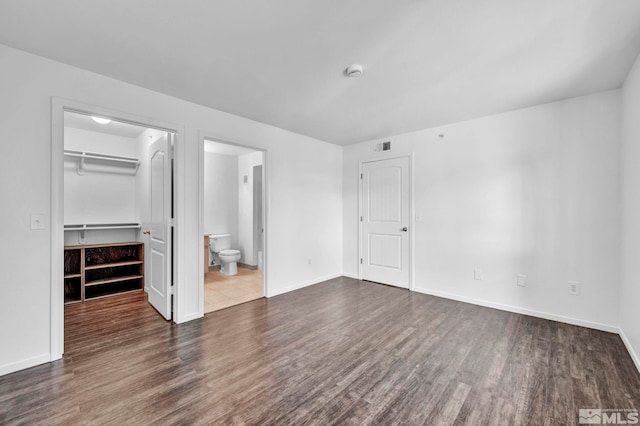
x=101 y=120
x=354 y=70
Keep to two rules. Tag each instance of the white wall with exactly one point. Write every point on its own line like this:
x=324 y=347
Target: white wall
x=630 y=259
x=103 y=194
x=245 y=225
x=221 y=195
x=305 y=205
x=533 y=192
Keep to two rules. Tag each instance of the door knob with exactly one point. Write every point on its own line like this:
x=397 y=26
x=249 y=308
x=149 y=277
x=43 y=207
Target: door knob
x=405 y=229
x=147 y=232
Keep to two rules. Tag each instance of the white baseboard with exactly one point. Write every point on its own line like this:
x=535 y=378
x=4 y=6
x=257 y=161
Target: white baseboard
x=632 y=352
x=25 y=363
x=518 y=310
x=302 y=285
x=188 y=317
x=348 y=275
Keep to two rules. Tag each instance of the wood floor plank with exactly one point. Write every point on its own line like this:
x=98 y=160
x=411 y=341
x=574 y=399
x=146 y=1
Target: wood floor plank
x=340 y=352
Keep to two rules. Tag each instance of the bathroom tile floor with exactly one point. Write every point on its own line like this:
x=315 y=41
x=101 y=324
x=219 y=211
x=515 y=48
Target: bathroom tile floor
x=221 y=291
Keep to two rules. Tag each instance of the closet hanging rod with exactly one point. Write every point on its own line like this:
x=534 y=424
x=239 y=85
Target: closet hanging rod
x=82 y=156
x=101 y=226
x=96 y=156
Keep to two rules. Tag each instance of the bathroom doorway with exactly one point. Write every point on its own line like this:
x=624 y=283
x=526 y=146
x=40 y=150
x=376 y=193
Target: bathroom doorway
x=233 y=224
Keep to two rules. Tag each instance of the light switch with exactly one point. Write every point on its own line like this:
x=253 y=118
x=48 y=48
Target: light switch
x=37 y=221
x=574 y=288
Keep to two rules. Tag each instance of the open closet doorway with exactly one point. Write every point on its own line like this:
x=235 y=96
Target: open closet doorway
x=233 y=223
x=118 y=210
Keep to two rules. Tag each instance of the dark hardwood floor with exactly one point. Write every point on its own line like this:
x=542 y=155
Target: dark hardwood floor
x=340 y=352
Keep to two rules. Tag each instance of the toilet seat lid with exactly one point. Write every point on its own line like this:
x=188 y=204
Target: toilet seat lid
x=229 y=252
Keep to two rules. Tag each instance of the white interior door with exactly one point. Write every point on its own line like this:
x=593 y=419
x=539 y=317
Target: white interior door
x=385 y=220
x=159 y=230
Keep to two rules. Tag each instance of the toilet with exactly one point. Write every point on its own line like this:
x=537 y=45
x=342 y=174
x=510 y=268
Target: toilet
x=220 y=248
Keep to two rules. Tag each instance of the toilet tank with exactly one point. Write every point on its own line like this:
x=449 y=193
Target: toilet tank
x=220 y=242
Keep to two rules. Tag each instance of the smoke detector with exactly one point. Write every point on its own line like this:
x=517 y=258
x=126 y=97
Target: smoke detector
x=354 y=70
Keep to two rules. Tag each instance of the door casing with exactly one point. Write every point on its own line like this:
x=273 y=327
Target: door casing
x=58 y=108
x=411 y=210
x=211 y=136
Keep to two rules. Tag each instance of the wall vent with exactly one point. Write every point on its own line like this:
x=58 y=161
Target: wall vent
x=382 y=146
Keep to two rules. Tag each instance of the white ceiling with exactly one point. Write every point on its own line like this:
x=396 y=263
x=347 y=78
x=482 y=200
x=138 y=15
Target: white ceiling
x=427 y=63
x=85 y=122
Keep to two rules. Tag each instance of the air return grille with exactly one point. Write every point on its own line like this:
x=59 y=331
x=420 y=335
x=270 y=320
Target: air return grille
x=382 y=146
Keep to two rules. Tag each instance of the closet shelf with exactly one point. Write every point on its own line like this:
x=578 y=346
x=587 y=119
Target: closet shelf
x=100 y=226
x=112 y=280
x=112 y=159
x=72 y=275
x=113 y=264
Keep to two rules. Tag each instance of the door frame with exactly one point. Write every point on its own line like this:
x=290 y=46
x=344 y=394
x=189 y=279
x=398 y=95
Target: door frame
x=382 y=157
x=211 y=136
x=58 y=108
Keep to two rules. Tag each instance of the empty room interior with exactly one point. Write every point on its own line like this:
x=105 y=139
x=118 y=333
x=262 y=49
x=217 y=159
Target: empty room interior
x=305 y=212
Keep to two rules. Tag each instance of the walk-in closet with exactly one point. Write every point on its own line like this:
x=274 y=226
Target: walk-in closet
x=117 y=178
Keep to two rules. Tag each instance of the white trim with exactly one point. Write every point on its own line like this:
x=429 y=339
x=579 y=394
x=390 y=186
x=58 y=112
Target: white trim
x=348 y=275
x=204 y=135
x=304 y=284
x=180 y=271
x=191 y=316
x=56 y=295
x=201 y=153
x=518 y=310
x=58 y=107
x=382 y=157
x=632 y=352
x=25 y=363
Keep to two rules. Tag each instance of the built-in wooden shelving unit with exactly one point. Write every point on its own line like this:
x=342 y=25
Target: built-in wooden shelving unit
x=100 y=270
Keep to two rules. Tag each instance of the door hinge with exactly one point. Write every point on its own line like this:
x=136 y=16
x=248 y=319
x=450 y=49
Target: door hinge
x=361 y=175
x=361 y=261
x=360 y=218
x=171 y=152
x=172 y=222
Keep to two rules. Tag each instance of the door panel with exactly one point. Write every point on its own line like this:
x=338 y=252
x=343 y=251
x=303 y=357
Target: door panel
x=158 y=219
x=385 y=251
x=385 y=191
x=158 y=284
x=159 y=229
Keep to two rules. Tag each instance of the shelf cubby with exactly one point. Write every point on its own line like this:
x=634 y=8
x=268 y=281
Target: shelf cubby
x=101 y=270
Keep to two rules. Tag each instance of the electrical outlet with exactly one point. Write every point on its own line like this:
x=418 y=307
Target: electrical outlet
x=477 y=274
x=521 y=280
x=574 y=288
